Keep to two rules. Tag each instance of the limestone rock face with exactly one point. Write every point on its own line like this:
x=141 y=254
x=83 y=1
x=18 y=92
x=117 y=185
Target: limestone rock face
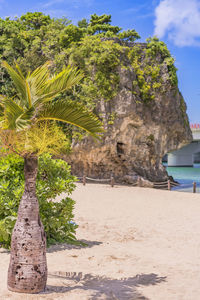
x=141 y=134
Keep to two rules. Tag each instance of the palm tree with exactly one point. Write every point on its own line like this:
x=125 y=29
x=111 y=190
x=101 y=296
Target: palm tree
x=33 y=105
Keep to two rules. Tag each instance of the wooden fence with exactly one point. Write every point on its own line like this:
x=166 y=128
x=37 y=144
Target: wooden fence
x=164 y=185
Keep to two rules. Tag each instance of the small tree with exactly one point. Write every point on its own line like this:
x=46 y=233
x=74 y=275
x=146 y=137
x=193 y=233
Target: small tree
x=28 y=128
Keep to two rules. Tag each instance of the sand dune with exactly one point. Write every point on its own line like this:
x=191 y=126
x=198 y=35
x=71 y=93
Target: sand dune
x=142 y=244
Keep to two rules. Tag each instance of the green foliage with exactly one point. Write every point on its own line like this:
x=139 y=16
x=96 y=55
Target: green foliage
x=103 y=57
x=34 y=20
x=101 y=25
x=150 y=137
x=111 y=118
x=53 y=179
x=129 y=35
x=148 y=63
x=156 y=48
x=91 y=46
x=100 y=20
x=71 y=34
x=169 y=61
x=83 y=23
x=148 y=75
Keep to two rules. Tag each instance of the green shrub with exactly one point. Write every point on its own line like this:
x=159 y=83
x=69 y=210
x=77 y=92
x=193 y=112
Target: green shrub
x=53 y=179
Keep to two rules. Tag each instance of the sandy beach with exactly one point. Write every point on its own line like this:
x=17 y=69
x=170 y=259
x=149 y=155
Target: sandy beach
x=142 y=244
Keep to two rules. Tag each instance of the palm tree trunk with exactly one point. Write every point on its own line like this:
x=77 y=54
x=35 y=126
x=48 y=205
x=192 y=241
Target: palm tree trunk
x=27 y=271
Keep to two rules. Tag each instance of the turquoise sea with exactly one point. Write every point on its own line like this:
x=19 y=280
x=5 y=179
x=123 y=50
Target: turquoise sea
x=185 y=176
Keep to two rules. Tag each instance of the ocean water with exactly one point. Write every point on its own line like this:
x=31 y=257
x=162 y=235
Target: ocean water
x=185 y=176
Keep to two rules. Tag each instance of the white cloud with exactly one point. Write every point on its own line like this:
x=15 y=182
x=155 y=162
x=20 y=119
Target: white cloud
x=179 y=20
x=74 y=3
x=52 y=3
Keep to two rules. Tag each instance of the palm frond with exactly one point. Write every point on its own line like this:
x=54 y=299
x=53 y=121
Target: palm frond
x=71 y=113
x=24 y=119
x=12 y=112
x=18 y=81
x=19 y=70
x=63 y=80
x=28 y=94
x=59 y=83
x=2 y=108
x=30 y=88
x=38 y=87
x=37 y=80
x=35 y=92
x=14 y=116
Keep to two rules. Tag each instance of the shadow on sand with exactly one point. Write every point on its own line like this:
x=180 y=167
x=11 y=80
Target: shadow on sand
x=85 y=244
x=100 y=286
x=60 y=247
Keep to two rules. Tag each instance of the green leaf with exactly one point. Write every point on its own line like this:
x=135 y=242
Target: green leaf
x=18 y=81
x=72 y=113
x=12 y=112
x=59 y=83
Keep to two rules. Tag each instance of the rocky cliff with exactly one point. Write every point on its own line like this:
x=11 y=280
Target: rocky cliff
x=139 y=131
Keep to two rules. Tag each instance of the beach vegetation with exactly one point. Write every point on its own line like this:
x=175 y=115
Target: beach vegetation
x=53 y=179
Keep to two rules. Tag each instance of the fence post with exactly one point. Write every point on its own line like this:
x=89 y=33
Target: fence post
x=194 y=187
x=139 y=181
x=112 y=181
x=84 y=179
x=168 y=185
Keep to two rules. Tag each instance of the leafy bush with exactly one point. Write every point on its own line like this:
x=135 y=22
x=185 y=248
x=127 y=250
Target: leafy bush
x=53 y=179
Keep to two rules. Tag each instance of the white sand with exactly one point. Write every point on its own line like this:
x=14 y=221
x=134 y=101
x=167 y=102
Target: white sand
x=142 y=244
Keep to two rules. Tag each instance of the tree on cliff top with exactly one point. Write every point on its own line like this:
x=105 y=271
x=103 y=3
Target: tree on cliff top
x=27 y=128
x=102 y=25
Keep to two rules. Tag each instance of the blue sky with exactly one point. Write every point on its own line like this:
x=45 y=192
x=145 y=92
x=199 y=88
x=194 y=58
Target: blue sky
x=176 y=22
